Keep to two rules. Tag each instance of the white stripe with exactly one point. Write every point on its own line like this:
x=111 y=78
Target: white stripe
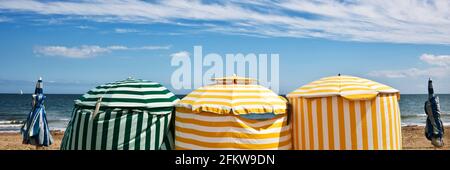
x=110 y=130
x=348 y=139
x=81 y=133
x=122 y=126
x=387 y=122
x=232 y=101
x=132 y=141
x=359 y=122
x=126 y=104
x=196 y=147
x=247 y=131
x=378 y=114
x=315 y=124
x=219 y=140
x=153 y=132
x=98 y=140
x=369 y=124
x=213 y=93
x=337 y=144
x=143 y=130
x=325 y=124
x=129 y=96
x=140 y=89
x=89 y=132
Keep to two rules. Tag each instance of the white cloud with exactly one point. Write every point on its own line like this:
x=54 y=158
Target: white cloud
x=439 y=60
x=87 y=51
x=125 y=30
x=84 y=51
x=413 y=21
x=439 y=66
x=84 y=27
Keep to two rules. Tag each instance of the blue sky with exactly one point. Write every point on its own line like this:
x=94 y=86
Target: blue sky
x=76 y=45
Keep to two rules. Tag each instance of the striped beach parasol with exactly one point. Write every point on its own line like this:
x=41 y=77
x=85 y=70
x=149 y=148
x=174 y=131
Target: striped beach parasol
x=132 y=114
x=35 y=131
x=234 y=113
x=345 y=113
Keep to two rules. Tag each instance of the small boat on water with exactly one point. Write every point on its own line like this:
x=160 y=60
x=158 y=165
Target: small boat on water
x=21 y=92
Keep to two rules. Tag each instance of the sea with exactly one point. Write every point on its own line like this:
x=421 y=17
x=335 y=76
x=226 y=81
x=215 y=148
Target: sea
x=14 y=109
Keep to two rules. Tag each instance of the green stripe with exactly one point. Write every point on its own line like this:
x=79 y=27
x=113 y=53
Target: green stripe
x=105 y=129
x=137 y=143
x=130 y=86
x=161 y=92
x=130 y=100
x=80 y=114
x=116 y=130
x=157 y=132
x=126 y=141
x=94 y=131
x=148 y=131
x=158 y=109
x=87 y=116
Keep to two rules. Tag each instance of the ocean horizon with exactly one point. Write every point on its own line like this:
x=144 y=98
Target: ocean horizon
x=14 y=109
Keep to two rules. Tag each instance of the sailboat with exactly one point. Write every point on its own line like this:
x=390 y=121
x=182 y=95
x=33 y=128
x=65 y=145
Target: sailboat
x=21 y=92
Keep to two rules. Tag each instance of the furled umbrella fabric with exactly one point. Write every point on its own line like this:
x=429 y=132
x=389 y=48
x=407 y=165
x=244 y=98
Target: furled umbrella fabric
x=434 y=129
x=35 y=131
x=345 y=113
x=132 y=114
x=234 y=113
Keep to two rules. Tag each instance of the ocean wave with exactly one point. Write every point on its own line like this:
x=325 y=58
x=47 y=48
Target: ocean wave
x=11 y=122
x=10 y=125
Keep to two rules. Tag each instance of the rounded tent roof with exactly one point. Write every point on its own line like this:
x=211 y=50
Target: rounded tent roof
x=349 y=87
x=234 y=95
x=133 y=93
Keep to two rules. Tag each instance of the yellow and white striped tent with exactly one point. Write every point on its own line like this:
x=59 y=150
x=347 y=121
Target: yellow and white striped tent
x=346 y=113
x=232 y=114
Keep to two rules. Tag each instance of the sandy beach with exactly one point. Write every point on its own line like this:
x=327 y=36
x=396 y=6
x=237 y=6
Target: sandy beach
x=413 y=139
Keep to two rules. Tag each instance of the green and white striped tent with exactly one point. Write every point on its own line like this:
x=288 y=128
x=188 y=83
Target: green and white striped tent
x=133 y=115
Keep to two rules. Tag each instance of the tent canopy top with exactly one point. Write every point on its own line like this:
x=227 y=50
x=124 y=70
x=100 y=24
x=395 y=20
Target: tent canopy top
x=234 y=98
x=129 y=93
x=348 y=87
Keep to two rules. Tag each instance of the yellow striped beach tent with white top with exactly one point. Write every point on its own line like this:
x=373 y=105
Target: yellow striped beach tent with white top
x=234 y=113
x=346 y=113
x=132 y=114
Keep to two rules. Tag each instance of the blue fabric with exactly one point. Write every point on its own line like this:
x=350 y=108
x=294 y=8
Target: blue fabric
x=35 y=131
x=263 y=116
x=434 y=127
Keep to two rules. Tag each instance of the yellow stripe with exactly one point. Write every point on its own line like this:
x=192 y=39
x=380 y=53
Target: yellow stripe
x=295 y=122
x=330 y=123
x=310 y=124
x=319 y=123
x=232 y=134
x=374 y=124
x=364 y=125
x=353 y=125
x=383 y=122
x=233 y=145
x=303 y=128
x=363 y=89
x=341 y=123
